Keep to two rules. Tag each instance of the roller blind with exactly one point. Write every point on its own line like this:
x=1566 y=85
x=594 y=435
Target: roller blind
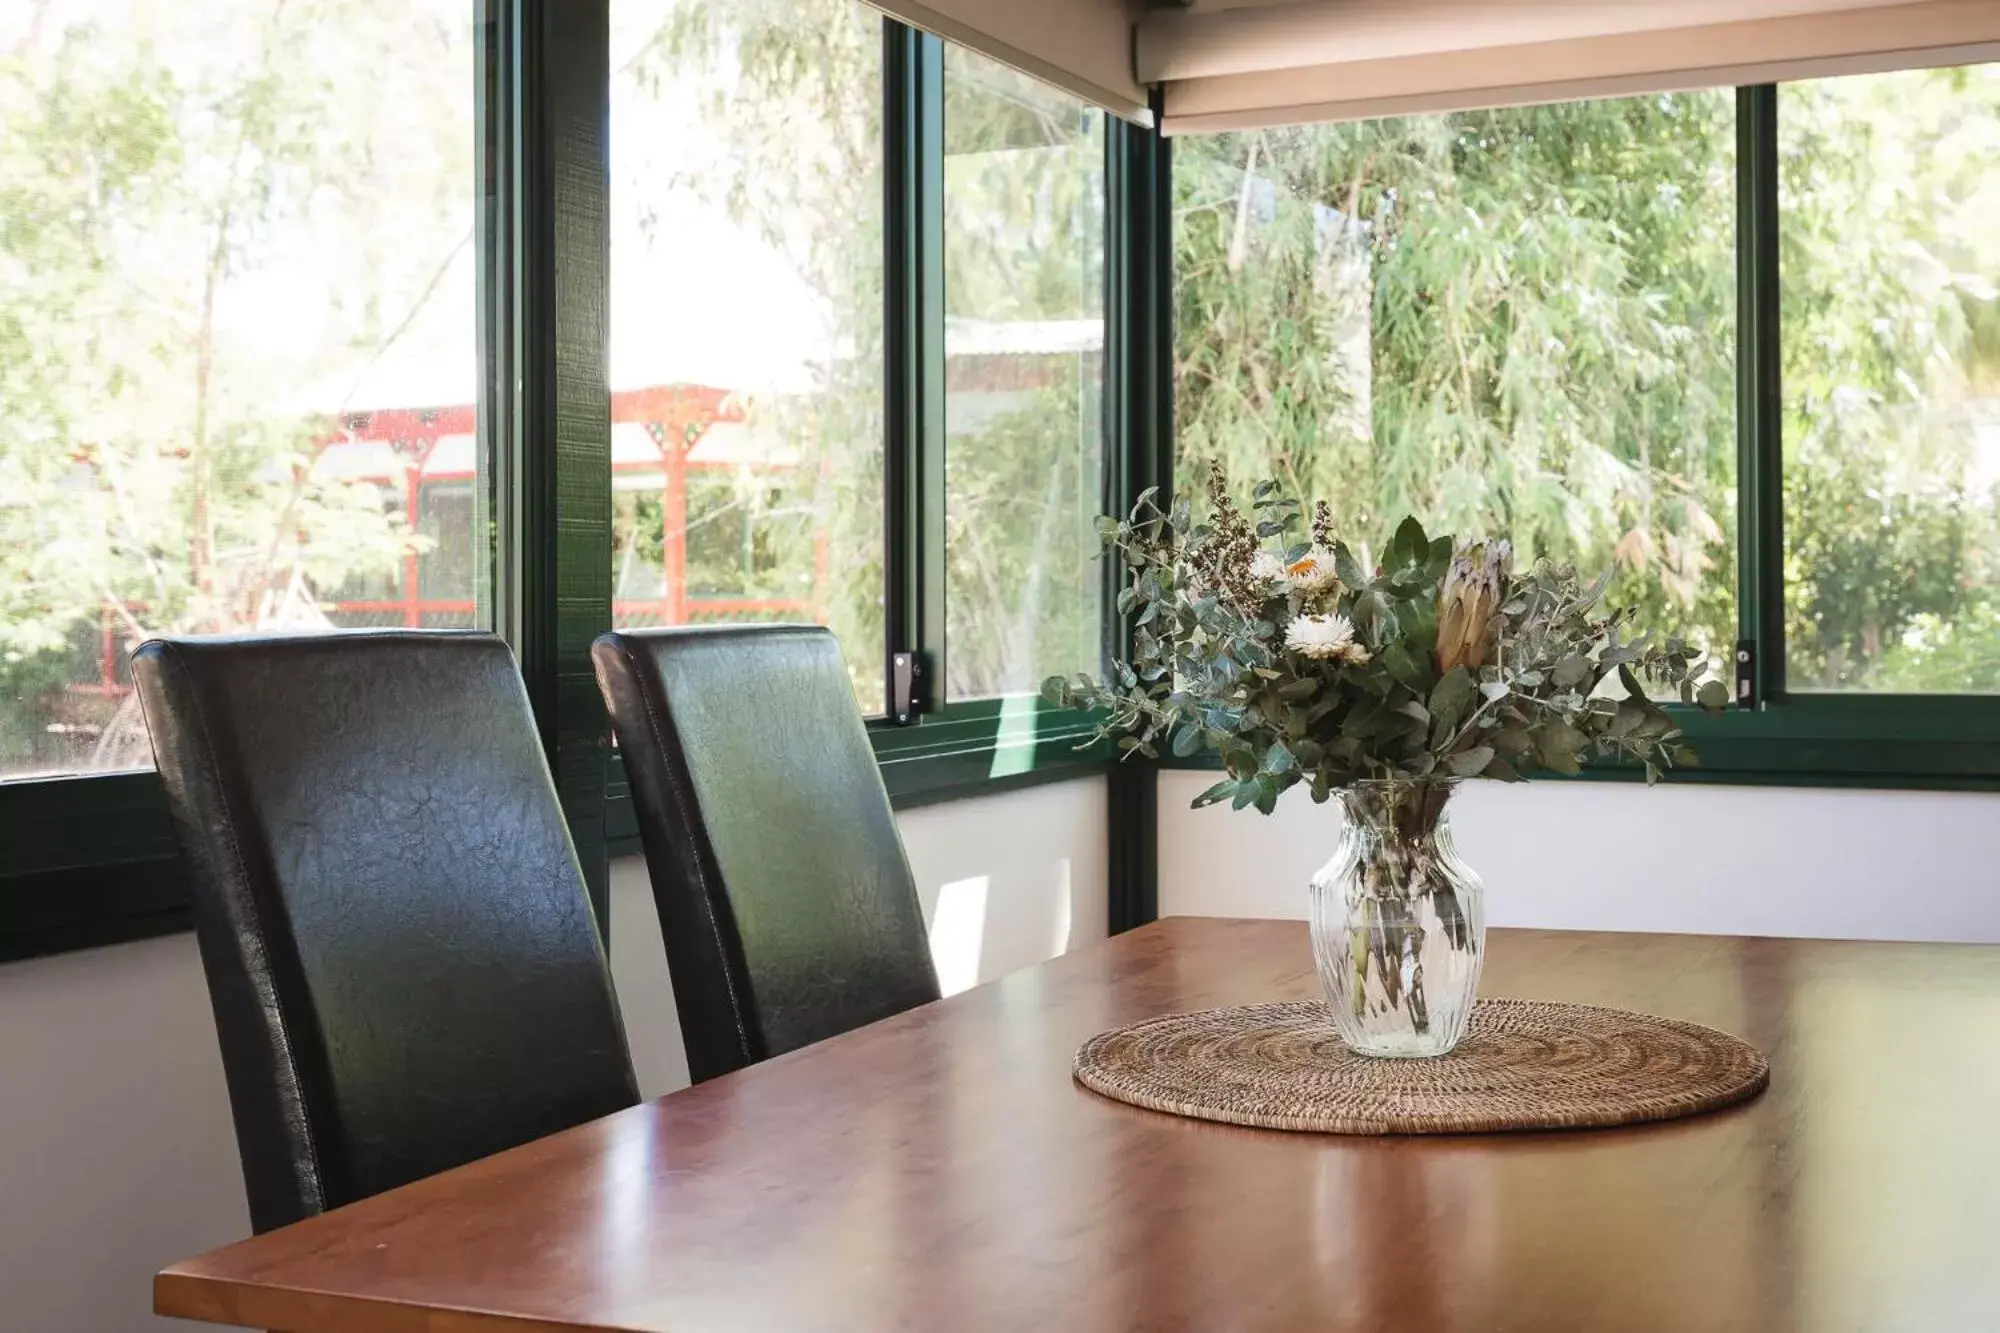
x=1312 y=60
x=1081 y=46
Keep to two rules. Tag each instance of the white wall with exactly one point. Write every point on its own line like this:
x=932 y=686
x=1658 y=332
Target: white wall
x=1610 y=856
x=116 y=1153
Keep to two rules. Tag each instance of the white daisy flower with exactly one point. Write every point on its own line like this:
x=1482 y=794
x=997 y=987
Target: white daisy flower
x=1325 y=638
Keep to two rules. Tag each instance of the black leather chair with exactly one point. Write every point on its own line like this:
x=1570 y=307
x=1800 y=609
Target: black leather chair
x=784 y=895
x=400 y=954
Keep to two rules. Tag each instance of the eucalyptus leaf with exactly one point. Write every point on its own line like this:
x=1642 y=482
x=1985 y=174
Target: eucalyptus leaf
x=1453 y=695
x=1471 y=763
x=1403 y=665
x=1409 y=546
x=1347 y=567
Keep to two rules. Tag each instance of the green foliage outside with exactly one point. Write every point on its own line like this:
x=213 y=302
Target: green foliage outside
x=1023 y=262
x=1516 y=322
x=1520 y=322
x=152 y=451
x=1890 y=195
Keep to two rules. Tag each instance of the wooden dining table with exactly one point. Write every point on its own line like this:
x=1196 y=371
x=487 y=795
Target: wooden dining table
x=941 y=1170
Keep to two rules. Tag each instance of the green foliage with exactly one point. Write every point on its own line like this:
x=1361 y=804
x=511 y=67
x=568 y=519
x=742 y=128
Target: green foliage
x=1440 y=662
x=156 y=169
x=1889 y=191
x=1522 y=320
x=791 y=95
x=1514 y=320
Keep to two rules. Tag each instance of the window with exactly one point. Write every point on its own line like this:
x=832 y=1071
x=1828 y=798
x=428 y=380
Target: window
x=238 y=352
x=746 y=318
x=1516 y=322
x=1024 y=356
x=1889 y=222
x=1525 y=321
x=278 y=351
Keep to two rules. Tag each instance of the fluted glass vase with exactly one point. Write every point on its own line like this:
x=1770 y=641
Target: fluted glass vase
x=1398 y=922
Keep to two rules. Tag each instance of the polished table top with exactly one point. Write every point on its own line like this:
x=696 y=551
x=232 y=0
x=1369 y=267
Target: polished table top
x=941 y=1171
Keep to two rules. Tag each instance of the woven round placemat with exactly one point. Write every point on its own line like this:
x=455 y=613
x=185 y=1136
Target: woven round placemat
x=1523 y=1065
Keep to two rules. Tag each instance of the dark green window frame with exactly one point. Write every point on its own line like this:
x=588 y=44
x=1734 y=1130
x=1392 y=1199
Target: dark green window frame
x=1774 y=736
x=90 y=860
x=87 y=861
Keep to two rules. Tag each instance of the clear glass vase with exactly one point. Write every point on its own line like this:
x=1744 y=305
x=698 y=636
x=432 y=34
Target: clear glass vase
x=1398 y=922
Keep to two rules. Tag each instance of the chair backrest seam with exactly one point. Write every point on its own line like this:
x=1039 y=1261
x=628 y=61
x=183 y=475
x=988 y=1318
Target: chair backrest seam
x=692 y=824
x=316 y=1184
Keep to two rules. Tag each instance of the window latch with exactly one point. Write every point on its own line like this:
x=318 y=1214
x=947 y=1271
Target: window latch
x=1746 y=673
x=905 y=671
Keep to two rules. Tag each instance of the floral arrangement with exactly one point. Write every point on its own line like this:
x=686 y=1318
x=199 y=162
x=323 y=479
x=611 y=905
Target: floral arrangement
x=1296 y=660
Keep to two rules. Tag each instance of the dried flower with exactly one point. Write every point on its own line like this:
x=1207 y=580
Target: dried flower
x=1226 y=561
x=1313 y=573
x=1267 y=568
x=1322 y=525
x=1470 y=595
x=1326 y=639
x=1244 y=655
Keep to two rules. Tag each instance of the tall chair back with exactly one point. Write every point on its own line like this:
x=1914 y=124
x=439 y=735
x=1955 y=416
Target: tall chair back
x=784 y=896
x=400 y=954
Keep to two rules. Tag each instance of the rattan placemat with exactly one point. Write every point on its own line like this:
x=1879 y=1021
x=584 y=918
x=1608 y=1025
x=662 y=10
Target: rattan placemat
x=1523 y=1064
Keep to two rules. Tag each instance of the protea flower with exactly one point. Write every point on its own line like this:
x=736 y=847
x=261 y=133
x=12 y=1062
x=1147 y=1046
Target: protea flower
x=1473 y=589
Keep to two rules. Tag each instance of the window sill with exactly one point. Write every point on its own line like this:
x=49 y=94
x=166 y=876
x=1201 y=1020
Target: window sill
x=979 y=748
x=1884 y=742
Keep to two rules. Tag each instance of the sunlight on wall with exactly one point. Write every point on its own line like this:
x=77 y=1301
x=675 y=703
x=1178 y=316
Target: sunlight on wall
x=958 y=933
x=1063 y=913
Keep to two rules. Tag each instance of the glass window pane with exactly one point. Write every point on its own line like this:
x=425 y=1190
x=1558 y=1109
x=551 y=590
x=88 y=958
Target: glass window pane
x=1889 y=214
x=1024 y=373
x=746 y=317
x=1512 y=323
x=238 y=352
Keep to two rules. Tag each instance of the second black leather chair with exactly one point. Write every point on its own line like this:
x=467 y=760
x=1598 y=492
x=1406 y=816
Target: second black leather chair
x=784 y=895
x=402 y=962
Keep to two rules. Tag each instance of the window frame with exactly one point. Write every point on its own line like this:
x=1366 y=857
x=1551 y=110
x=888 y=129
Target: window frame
x=1773 y=736
x=91 y=859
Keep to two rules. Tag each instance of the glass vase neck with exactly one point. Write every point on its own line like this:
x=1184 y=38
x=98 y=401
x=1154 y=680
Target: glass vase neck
x=1405 y=807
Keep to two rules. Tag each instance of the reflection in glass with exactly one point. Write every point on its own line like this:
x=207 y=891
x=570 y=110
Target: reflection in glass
x=1024 y=375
